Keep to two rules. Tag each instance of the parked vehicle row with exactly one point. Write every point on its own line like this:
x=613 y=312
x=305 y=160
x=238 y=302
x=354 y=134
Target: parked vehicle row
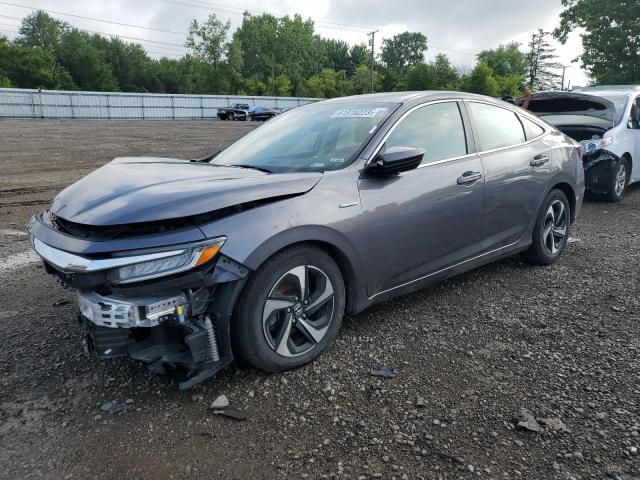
x=260 y=250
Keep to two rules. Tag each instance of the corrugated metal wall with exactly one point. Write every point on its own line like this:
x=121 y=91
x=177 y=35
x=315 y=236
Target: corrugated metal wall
x=64 y=104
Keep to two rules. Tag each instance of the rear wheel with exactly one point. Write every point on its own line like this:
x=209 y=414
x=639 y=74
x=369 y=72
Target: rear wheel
x=551 y=231
x=618 y=181
x=290 y=310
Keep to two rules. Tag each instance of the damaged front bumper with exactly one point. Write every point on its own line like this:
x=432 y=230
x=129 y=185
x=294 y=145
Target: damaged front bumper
x=599 y=170
x=177 y=323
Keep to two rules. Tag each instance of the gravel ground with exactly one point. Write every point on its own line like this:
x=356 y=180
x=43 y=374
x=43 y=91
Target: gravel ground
x=562 y=341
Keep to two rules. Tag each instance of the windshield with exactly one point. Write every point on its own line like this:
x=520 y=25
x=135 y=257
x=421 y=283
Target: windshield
x=620 y=101
x=313 y=138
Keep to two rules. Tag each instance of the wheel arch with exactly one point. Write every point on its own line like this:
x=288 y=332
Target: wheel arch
x=338 y=247
x=568 y=190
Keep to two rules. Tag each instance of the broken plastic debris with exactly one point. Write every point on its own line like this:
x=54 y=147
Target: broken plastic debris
x=527 y=421
x=420 y=402
x=113 y=407
x=382 y=371
x=573 y=240
x=231 y=413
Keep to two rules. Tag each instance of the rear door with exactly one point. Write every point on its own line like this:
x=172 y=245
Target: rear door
x=423 y=220
x=517 y=170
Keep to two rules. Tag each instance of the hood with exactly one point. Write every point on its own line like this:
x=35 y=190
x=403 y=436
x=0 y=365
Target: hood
x=136 y=190
x=544 y=104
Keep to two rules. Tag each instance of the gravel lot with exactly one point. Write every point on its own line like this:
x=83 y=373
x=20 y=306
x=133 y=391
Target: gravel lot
x=562 y=341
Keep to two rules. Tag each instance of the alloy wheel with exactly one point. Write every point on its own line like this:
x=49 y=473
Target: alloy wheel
x=298 y=311
x=621 y=180
x=556 y=224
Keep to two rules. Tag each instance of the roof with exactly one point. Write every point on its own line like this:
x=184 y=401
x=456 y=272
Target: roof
x=404 y=97
x=613 y=89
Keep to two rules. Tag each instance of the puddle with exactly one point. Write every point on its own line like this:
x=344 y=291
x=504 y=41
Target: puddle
x=18 y=260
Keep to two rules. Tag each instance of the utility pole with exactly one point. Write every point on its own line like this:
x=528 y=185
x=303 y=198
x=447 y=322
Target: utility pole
x=564 y=69
x=373 y=55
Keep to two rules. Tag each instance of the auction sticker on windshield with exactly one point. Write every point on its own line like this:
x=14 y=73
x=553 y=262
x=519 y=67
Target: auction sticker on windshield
x=358 y=113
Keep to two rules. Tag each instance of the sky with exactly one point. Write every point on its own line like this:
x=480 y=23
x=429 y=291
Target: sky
x=458 y=28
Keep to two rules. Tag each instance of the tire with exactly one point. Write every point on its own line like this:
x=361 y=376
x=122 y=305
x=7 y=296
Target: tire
x=618 y=181
x=551 y=231
x=274 y=331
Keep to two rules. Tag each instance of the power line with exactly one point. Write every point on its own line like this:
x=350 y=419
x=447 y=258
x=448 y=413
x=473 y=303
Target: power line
x=240 y=11
x=93 y=19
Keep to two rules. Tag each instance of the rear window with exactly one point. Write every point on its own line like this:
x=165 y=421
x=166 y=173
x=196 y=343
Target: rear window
x=532 y=130
x=496 y=127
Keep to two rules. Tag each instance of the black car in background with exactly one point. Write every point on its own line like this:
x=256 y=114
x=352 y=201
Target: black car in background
x=262 y=113
x=237 y=111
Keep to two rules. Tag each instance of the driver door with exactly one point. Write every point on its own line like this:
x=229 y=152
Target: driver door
x=424 y=220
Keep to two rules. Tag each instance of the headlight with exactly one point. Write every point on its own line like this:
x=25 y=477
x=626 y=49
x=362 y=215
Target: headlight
x=592 y=146
x=190 y=257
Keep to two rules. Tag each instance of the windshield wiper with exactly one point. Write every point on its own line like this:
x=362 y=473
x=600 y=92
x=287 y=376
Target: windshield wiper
x=252 y=167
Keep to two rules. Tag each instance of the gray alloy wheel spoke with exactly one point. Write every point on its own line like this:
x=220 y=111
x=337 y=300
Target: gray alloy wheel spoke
x=273 y=305
x=309 y=331
x=322 y=299
x=556 y=227
x=621 y=180
x=302 y=274
x=283 y=338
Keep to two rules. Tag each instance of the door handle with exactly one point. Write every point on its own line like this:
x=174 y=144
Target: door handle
x=539 y=160
x=468 y=178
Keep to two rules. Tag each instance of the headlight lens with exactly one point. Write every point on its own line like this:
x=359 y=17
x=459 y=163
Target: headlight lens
x=592 y=146
x=190 y=257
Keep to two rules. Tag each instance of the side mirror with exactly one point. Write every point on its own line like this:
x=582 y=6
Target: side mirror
x=397 y=160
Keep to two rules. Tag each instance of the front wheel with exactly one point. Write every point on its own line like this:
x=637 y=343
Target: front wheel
x=618 y=181
x=290 y=310
x=551 y=231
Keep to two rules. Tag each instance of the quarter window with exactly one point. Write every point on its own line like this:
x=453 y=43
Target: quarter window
x=532 y=130
x=436 y=128
x=496 y=127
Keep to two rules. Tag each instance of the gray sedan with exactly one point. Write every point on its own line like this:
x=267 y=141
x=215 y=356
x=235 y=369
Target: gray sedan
x=260 y=250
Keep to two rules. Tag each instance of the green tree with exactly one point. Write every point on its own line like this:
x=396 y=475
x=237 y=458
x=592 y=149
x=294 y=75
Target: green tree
x=610 y=41
x=208 y=43
x=481 y=80
x=42 y=30
x=447 y=77
x=362 y=80
x=85 y=63
x=403 y=51
x=358 y=54
x=422 y=77
x=542 y=65
x=329 y=84
x=337 y=54
x=506 y=60
x=30 y=67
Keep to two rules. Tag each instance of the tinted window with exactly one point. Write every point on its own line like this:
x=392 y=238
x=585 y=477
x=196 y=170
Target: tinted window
x=437 y=128
x=531 y=129
x=496 y=127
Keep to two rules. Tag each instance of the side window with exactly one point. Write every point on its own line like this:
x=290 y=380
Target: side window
x=496 y=127
x=634 y=118
x=532 y=130
x=437 y=128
